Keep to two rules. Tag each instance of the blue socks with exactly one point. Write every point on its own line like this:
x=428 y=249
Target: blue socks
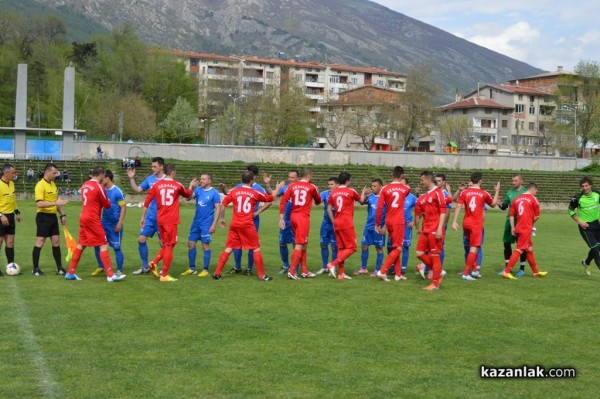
x=207 y=255
x=143 y=250
x=192 y=258
x=325 y=256
x=364 y=258
x=237 y=257
x=379 y=260
x=284 y=252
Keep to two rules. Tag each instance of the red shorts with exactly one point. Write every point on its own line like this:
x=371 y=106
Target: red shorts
x=300 y=227
x=474 y=235
x=168 y=234
x=524 y=241
x=242 y=237
x=428 y=243
x=396 y=234
x=346 y=238
x=92 y=235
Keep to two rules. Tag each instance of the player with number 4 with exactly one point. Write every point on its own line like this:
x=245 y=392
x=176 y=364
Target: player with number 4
x=475 y=199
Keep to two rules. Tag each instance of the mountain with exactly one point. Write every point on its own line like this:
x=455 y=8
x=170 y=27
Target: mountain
x=355 y=32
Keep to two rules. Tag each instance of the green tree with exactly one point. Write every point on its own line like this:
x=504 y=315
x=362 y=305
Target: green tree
x=416 y=115
x=165 y=80
x=285 y=116
x=578 y=99
x=182 y=123
x=459 y=130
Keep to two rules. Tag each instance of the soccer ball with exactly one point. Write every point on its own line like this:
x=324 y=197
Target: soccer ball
x=12 y=269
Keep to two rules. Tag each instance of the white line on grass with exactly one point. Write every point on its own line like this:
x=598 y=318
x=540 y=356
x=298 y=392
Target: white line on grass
x=46 y=380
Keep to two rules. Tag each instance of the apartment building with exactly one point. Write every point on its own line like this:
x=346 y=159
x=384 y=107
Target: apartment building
x=506 y=119
x=222 y=78
x=360 y=118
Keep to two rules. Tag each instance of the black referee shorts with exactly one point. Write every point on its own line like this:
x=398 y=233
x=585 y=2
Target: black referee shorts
x=591 y=235
x=47 y=224
x=10 y=229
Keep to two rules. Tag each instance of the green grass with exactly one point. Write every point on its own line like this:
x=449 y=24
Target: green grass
x=240 y=338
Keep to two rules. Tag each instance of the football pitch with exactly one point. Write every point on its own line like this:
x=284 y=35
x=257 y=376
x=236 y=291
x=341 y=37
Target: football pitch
x=319 y=338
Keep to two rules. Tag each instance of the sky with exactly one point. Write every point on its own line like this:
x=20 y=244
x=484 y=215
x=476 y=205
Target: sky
x=542 y=33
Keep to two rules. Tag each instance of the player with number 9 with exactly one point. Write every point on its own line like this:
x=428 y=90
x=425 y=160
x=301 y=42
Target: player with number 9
x=475 y=199
x=341 y=201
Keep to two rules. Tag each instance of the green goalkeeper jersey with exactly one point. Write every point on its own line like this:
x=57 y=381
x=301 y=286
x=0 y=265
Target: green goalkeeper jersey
x=585 y=206
x=510 y=196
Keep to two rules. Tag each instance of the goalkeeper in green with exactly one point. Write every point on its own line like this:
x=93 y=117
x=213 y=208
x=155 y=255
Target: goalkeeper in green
x=583 y=208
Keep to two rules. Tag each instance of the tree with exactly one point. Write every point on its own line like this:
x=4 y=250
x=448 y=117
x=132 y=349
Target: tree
x=165 y=81
x=373 y=119
x=459 y=130
x=578 y=99
x=182 y=122
x=337 y=122
x=285 y=116
x=417 y=112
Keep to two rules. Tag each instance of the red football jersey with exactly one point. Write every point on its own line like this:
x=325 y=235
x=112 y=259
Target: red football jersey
x=302 y=194
x=474 y=200
x=93 y=199
x=244 y=200
x=392 y=196
x=342 y=200
x=167 y=192
x=431 y=205
x=525 y=208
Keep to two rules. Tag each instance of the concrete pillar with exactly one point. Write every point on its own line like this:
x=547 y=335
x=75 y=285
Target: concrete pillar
x=21 y=111
x=68 y=120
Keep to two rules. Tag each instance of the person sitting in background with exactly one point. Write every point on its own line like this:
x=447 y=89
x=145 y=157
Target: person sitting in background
x=138 y=162
x=30 y=174
x=65 y=175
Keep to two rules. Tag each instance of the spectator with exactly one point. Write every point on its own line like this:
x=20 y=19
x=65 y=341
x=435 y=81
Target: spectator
x=99 y=151
x=138 y=162
x=15 y=177
x=132 y=163
x=30 y=174
x=65 y=175
x=125 y=163
x=68 y=193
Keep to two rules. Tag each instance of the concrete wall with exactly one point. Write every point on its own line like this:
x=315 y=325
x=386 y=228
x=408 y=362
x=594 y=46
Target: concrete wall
x=310 y=156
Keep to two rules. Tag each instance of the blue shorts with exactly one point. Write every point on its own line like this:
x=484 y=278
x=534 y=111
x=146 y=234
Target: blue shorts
x=371 y=237
x=327 y=236
x=113 y=237
x=150 y=227
x=286 y=236
x=200 y=233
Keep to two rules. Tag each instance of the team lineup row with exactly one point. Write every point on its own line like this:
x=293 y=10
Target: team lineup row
x=390 y=210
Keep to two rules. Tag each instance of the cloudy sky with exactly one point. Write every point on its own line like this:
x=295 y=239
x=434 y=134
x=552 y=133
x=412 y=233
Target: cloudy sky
x=542 y=33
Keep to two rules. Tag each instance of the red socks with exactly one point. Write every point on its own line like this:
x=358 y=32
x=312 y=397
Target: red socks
x=296 y=259
x=514 y=258
x=167 y=259
x=258 y=262
x=531 y=261
x=222 y=261
x=390 y=260
x=75 y=260
x=470 y=263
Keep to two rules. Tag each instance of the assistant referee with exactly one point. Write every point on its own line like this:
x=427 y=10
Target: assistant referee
x=8 y=211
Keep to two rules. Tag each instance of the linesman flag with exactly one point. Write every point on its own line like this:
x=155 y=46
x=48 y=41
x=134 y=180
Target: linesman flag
x=71 y=243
